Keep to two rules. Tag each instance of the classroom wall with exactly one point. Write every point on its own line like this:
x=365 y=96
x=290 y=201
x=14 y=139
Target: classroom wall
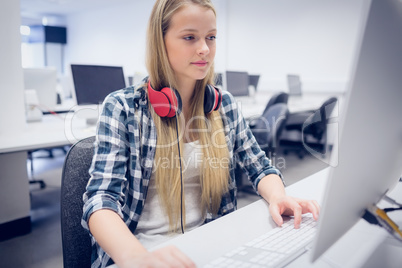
x=12 y=115
x=313 y=38
x=12 y=108
x=112 y=36
x=116 y=36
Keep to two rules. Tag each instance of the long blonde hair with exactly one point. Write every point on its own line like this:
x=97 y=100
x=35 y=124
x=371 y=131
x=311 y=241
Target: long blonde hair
x=214 y=177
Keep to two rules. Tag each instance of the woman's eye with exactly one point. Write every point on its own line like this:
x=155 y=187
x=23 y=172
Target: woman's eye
x=189 y=38
x=213 y=37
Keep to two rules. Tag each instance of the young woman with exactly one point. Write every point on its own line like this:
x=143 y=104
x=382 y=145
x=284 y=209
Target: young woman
x=165 y=165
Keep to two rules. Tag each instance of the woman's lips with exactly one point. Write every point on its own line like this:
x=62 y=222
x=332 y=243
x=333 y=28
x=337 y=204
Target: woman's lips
x=200 y=63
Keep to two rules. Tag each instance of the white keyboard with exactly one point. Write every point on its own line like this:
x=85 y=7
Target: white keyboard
x=276 y=248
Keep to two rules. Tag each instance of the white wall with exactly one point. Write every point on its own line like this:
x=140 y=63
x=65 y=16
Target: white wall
x=116 y=36
x=313 y=38
x=12 y=109
x=112 y=36
x=14 y=191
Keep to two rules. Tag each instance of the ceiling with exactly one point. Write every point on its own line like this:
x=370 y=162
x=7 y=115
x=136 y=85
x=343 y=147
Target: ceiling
x=35 y=8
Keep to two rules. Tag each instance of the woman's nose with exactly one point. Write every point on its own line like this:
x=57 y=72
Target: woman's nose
x=203 y=48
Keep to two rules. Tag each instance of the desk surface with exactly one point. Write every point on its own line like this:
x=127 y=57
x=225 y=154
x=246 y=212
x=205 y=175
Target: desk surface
x=355 y=249
x=52 y=131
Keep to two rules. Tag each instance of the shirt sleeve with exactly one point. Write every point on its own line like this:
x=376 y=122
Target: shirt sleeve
x=248 y=154
x=109 y=164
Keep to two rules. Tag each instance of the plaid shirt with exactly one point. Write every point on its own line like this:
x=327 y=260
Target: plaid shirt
x=124 y=155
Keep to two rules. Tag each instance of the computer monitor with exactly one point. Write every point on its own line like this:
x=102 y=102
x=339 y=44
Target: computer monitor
x=218 y=79
x=237 y=83
x=44 y=81
x=253 y=80
x=294 y=85
x=93 y=83
x=369 y=151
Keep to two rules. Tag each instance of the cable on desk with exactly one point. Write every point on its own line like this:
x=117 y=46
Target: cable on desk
x=377 y=216
x=46 y=109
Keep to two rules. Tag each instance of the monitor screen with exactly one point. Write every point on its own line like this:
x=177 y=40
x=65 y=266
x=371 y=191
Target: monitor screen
x=237 y=83
x=294 y=85
x=253 y=81
x=44 y=82
x=218 y=79
x=93 y=83
x=369 y=151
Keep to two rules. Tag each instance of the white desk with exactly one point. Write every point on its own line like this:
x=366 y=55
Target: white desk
x=52 y=131
x=363 y=245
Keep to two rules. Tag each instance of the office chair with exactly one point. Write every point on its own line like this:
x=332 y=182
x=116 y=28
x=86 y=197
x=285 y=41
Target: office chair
x=32 y=180
x=310 y=127
x=267 y=130
x=280 y=97
x=30 y=156
x=76 y=241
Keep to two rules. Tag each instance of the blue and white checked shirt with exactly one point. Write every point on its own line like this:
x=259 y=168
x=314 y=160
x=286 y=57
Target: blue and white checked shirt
x=124 y=156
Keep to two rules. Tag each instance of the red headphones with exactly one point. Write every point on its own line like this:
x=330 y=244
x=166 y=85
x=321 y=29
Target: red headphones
x=167 y=101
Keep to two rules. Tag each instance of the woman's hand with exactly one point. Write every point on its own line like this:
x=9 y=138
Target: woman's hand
x=169 y=256
x=272 y=190
x=291 y=206
x=125 y=249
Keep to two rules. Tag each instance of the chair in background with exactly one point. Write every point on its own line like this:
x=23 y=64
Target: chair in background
x=267 y=130
x=308 y=128
x=76 y=241
x=280 y=97
x=32 y=180
x=269 y=126
x=50 y=154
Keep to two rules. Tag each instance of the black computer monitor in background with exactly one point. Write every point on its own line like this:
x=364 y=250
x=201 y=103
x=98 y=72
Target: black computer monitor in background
x=237 y=83
x=253 y=80
x=218 y=80
x=93 y=83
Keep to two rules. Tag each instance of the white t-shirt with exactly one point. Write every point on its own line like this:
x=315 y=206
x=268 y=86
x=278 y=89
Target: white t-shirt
x=153 y=226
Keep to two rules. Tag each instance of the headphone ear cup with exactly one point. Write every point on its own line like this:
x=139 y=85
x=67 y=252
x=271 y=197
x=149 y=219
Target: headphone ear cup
x=165 y=102
x=212 y=99
x=175 y=102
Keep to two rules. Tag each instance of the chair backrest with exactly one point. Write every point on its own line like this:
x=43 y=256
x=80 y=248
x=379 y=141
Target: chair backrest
x=269 y=126
x=319 y=120
x=75 y=239
x=280 y=97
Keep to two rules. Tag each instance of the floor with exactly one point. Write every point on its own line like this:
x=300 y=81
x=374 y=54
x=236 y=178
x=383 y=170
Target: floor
x=42 y=247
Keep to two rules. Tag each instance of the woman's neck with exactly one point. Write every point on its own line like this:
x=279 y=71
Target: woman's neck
x=186 y=90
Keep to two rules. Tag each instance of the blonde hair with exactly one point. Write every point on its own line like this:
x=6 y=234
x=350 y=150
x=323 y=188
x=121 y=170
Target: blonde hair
x=214 y=177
